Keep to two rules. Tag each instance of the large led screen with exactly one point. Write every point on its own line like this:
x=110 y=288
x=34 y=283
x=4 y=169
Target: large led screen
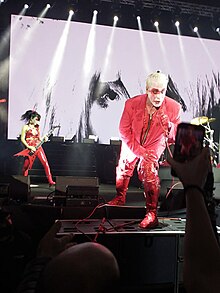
x=78 y=75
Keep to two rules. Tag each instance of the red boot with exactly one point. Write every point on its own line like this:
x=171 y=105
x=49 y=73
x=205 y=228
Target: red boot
x=117 y=201
x=26 y=166
x=50 y=180
x=43 y=159
x=49 y=176
x=151 y=221
x=121 y=188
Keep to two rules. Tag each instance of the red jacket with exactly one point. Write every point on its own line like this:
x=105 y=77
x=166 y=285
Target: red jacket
x=132 y=123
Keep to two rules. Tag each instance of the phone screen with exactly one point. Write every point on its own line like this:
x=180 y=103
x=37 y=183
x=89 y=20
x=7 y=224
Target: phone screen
x=188 y=142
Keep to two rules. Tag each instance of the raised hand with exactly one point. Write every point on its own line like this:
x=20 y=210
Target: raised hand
x=32 y=148
x=50 y=245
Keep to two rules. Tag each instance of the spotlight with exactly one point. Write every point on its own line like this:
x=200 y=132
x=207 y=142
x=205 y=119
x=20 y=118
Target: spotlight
x=138 y=9
x=155 y=13
x=177 y=23
x=115 y=18
x=48 y=6
x=96 y=6
x=156 y=23
x=74 y=6
x=195 y=29
x=216 y=22
x=71 y=12
x=116 y=9
x=176 y=16
x=194 y=23
x=95 y=12
x=26 y=6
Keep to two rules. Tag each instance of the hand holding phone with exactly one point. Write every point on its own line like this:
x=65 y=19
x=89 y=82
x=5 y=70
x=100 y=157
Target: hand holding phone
x=188 y=142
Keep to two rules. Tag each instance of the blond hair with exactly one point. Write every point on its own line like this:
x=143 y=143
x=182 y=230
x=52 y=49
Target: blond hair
x=157 y=77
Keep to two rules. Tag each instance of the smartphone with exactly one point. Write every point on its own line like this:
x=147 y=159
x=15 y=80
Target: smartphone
x=188 y=142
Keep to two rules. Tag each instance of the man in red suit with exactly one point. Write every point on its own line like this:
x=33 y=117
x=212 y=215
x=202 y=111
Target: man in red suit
x=147 y=125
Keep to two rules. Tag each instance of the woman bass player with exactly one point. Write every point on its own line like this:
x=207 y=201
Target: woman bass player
x=30 y=137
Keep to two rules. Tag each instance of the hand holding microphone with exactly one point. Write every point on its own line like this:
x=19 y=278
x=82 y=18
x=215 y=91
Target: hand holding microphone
x=165 y=122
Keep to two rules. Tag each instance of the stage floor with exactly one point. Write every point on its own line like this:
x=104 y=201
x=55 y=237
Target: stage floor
x=42 y=194
x=167 y=226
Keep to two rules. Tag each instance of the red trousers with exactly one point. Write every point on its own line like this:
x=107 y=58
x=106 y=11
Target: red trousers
x=40 y=154
x=148 y=174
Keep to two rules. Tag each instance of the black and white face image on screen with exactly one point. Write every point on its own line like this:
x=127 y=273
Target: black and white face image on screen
x=79 y=75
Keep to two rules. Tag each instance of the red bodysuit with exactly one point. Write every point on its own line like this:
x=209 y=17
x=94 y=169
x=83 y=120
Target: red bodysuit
x=32 y=138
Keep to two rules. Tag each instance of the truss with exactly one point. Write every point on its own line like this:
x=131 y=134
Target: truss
x=170 y=5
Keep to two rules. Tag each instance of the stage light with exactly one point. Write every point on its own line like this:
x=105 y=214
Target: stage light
x=116 y=9
x=155 y=13
x=73 y=7
x=156 y=23
x=194 y=23
x=95 y=12
x=26 y=6
x=216 y=22
x=115 y=18
x=44 y=11
x=176 y=16
x=71 y=12
x=177 y=23
x=138 y=9
x=195 y=29
x=96 y=6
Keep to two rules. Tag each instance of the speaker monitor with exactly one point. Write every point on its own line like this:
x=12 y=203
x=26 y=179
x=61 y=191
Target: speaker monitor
x=79 y=191
x=15 y=187
x=62 y=182
x=57 y=138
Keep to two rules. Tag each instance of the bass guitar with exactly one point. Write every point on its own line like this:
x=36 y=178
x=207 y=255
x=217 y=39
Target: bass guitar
x=32 y=155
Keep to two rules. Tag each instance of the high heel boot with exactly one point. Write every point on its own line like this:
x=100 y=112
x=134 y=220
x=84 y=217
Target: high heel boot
x=121 y=188
x=50 y=180
x=49 y=176
x=151 y=221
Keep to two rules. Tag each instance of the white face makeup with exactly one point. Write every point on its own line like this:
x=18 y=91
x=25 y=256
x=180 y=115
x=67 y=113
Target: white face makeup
x=156 y=94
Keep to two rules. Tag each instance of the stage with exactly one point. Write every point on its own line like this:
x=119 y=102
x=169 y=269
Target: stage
x=148 y=260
